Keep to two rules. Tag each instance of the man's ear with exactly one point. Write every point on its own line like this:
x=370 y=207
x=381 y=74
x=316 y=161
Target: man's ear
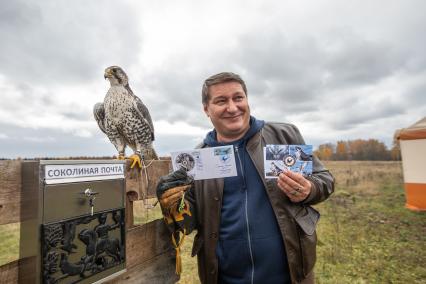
x=206 y=110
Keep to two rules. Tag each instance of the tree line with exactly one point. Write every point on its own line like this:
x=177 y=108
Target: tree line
x=359 y=149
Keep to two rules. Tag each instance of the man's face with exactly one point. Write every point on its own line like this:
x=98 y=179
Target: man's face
x=228 y=110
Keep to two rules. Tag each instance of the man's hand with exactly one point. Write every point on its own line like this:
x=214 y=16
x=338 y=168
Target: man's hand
x=294 y=185
x=172 y=196
x=176 y=210
x=170 y=192
x=174 y=179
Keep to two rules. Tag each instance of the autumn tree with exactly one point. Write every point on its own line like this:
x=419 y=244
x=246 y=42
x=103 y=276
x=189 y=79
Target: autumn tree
x=395 y=151
x=325 y=151
x=342 y=151
x=358 y=149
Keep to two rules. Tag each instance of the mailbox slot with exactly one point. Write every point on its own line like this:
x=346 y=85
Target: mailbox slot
x=65 y=200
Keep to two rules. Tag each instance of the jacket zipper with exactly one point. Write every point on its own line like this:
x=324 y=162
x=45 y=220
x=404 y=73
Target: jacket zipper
x=246 y=213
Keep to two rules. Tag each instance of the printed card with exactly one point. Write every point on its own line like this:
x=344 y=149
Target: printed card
x=206 y=163
x=296 y=158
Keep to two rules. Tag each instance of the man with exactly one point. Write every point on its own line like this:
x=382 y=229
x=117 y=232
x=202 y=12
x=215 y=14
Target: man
x=249 y=229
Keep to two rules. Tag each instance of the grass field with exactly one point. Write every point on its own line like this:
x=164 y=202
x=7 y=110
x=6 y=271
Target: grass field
x=365 y=234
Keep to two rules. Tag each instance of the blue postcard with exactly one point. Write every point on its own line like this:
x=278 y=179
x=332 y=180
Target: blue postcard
x=295 y=158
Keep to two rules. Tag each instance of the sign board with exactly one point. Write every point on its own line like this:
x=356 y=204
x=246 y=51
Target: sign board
x=82 y=172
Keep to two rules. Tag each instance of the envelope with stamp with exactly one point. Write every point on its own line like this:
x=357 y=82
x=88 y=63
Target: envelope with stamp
x=206 y=163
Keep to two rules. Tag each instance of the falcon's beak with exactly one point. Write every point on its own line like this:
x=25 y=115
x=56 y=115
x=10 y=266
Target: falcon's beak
x=107 y=74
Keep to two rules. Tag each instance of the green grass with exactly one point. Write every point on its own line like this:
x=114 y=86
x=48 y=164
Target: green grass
x=365 y=234
x=9 y=243
x=145 y=211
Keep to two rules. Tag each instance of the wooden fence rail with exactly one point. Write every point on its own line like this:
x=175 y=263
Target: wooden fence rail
x=149 y=254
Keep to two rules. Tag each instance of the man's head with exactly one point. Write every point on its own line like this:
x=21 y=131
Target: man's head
x=224 y=98
x=218 y=79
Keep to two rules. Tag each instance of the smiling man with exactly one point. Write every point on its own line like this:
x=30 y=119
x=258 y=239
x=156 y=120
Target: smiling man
x=228 y=110
x=249 y=229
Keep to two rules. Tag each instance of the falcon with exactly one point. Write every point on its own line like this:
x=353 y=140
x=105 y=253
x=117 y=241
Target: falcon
x=302 y=156
x=125 y=119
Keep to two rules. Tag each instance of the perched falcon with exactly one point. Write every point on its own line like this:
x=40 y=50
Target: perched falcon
x=125 y=119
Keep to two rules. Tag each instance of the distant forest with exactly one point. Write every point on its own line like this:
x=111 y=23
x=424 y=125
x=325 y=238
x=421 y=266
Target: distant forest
x=359 y=149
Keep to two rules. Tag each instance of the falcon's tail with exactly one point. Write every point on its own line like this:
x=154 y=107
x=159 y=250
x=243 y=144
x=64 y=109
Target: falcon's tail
x=149 y=154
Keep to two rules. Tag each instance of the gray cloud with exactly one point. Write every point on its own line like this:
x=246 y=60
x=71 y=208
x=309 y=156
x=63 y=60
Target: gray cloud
x=357 y=61
x=30 y=143
x=346 y=74
x=354 y=116
x=27 y=142
x=415 y=96
x=50 y=43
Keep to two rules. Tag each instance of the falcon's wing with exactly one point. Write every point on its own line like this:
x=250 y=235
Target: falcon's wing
x=143 y=112
x=99 y=113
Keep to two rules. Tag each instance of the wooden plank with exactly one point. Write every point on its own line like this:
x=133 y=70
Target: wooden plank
x=147 y=241
x=130 y=197
x=17 y=202
x=10 y=213
x=16 y=271
x=10 y=191
x=160 y=269
x=144 y=182
x=9 y=272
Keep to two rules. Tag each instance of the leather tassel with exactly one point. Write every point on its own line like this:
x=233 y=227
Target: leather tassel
x=177 y=246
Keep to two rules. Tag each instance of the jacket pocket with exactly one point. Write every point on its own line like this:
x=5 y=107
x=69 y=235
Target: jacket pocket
x=307 y=220
x=198 y=244
x=308 y=245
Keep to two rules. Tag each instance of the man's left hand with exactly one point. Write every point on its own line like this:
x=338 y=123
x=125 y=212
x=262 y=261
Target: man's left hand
x=294 y=185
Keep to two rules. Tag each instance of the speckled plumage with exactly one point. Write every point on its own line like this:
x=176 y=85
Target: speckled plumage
x=124 y=118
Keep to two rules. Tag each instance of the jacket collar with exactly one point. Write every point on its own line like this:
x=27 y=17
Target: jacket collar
x=255 y=126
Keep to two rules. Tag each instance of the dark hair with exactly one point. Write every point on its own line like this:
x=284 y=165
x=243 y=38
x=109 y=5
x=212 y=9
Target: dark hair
x=218 y=79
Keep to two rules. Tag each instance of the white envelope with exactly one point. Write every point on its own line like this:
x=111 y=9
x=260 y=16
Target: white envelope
x=206 y=163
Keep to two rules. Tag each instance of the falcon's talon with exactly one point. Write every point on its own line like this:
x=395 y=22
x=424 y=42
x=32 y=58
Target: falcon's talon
x=136 y=160
x=121 y=157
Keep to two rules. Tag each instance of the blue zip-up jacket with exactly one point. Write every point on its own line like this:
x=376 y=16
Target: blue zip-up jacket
x=250 y=248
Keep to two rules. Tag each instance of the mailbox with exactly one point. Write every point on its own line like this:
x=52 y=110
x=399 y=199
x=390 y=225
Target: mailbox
x=77 y=232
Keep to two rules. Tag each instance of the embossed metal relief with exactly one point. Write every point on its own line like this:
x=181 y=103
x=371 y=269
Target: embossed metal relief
x=79 y=248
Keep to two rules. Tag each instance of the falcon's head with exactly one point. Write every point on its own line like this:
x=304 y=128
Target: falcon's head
x=116 y=76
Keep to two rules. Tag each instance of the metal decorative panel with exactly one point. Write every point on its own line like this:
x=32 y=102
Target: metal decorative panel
x=76 y=249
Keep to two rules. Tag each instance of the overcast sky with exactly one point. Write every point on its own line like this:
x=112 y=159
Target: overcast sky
x=337 y=69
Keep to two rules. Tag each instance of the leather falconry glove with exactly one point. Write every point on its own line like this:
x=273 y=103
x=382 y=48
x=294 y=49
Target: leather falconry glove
x=176 y=210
